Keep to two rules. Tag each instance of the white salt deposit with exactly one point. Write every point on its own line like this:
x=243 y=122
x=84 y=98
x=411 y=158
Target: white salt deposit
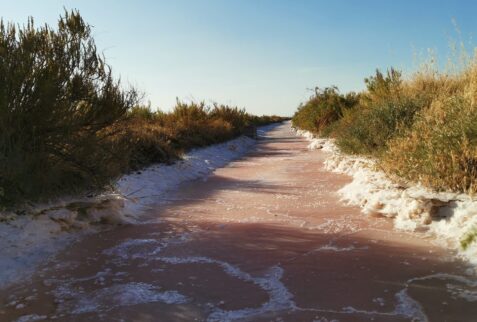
x=26 y=241
x=31 y=238
x=409 y=307
x=279 y=296
x=123 y=250
x=458 y=286
x=31 y=318
x=334 y=248
x=447 y=216
x=143 y=188
x=115 y=296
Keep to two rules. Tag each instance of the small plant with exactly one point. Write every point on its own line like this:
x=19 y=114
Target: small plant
x=468 y=239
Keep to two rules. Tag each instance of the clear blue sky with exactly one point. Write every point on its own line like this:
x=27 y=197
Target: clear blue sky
x=259 y=54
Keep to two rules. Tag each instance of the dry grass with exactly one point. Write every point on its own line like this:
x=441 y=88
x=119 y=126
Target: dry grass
x=440 y=150
x=422 y=129
x=149 y=137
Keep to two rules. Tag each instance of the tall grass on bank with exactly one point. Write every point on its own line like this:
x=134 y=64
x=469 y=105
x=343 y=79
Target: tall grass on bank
x=67 y=126
x=163 y=137
x=422 y=129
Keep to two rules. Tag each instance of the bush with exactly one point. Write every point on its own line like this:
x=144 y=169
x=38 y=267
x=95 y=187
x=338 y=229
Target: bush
x=323 y=109
x=441 y=149
x=381 y=88
x=162 y=137
x=57 y=100
x=68 y=126
x=469 y=238
x=368 y=130
x=423 y=129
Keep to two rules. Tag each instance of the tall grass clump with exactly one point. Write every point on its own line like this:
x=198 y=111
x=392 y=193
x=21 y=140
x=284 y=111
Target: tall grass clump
x=57 y=101
x=422 y=129
x=164 y=136
x=441 y=148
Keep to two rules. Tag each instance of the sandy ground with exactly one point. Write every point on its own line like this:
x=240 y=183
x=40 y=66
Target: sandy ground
x=263 y=239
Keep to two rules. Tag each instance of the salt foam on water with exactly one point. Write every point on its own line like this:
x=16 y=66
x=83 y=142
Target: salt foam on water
x=448 y=216
x=30 y=239
x=115 y=296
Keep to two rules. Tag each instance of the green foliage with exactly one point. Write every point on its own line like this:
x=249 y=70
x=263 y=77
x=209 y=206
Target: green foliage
x=57 y=97
x=323 y=109
x=239 y=119
x=469 y=238
x=141 y=112
x=67 y=126
x=383 y=113
x=423 y=129
x=382 y=87
x=368 y=130
x=163 y=137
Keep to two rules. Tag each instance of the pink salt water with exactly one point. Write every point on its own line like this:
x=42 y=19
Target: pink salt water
x=262 y=239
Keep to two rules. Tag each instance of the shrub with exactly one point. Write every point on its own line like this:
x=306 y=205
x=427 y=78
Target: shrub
x=368 y=130
x=469 y=238
x=380 y=87
x=68 y=126
x=323 y=109
x=162 y=137
x=441 y=149
x=237 y=118
x=141 y=112
x=57 y=100
x=423 y=129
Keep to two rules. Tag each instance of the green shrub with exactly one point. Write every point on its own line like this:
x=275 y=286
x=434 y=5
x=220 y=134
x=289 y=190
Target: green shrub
x=368 y=130
x=383 y=113
x=67 y=126
x=142 y=112
x=469 y=238
x=323 y=109
x=57 y=99
x=382 y=88
x=239 y=119
x=162 y=137
x=423 y=129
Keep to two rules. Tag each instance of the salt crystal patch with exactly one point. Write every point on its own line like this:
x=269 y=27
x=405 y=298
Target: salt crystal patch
x=109 y=298
x=409 y=307
x=27 y=240
x=31 y=318
x=412 y=208
x=280 y=297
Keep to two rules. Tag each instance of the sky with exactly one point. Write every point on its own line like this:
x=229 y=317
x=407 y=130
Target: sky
x=263 y=55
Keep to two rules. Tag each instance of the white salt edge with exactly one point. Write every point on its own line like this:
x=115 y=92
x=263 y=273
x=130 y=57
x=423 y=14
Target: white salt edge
x=28 y=240
x=410 y=207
